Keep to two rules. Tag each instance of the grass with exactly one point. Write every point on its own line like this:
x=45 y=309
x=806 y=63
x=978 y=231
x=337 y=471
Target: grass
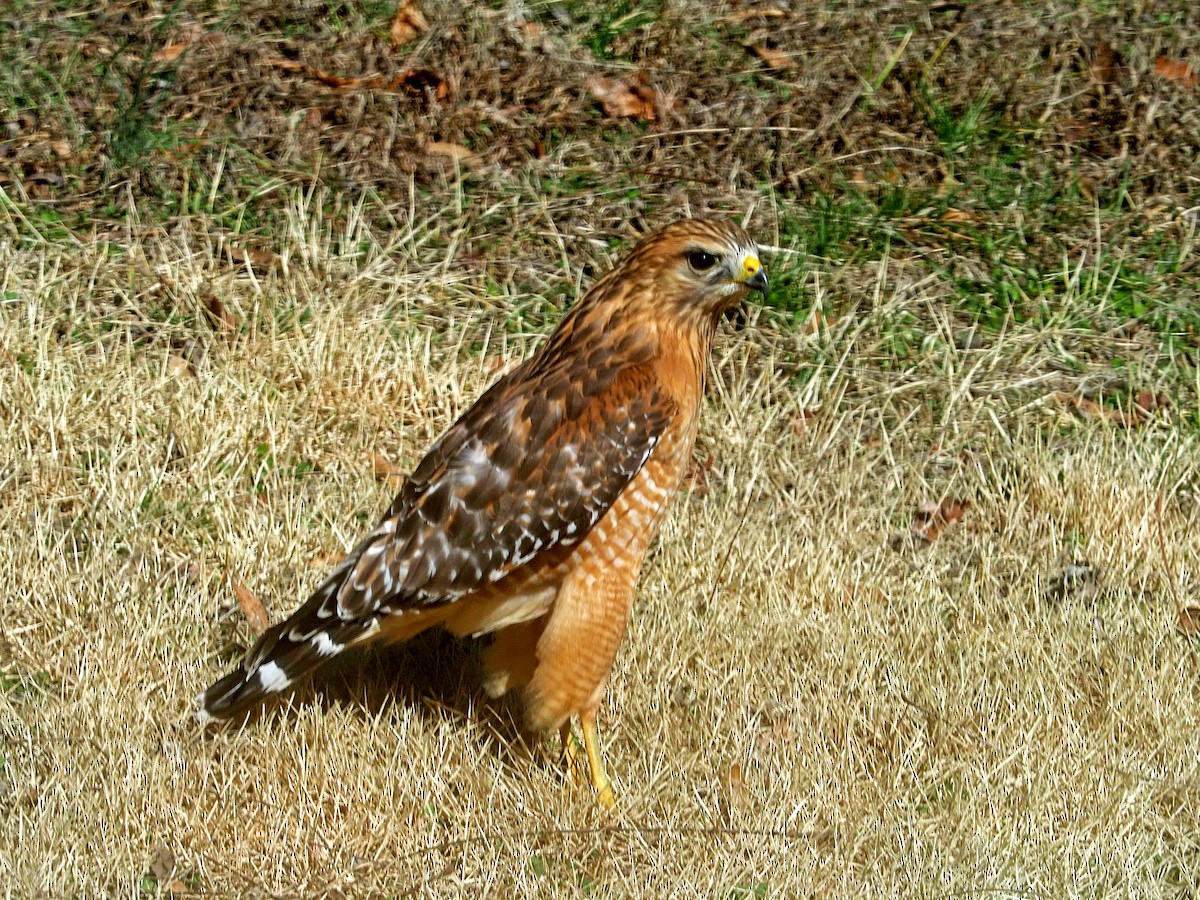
x=806 y=702
x=982 y=251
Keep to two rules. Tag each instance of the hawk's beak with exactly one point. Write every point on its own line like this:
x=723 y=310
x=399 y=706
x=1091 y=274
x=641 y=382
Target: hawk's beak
x=753 y=275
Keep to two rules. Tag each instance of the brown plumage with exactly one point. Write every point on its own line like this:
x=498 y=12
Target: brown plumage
x=529 y=518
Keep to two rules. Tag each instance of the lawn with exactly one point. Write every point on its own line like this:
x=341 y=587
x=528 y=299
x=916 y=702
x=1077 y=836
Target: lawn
x=924 y=619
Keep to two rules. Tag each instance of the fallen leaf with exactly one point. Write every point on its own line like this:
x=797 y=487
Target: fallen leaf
x=1189 y=621
x=816 y=323
x=177 y=365
x=933 y=518
x=735 y=786
x=621 y=100
x=773 y=57
x=416 y=82
x=1148 y=401
x=178 y=887
x=407 y=23
x=261 y=260
x=501 y=365
x=464 y=156
x=1106 y=63
x=696 y=478
x=1144 y=403
x=171 y=52
x=383 y=469
x=533 y=29
x=222 y=319
x=1078 y=128
x=959 y=215
x=743 y=15
x=1175 y=70
x=800 y=421
x=420 y=83
x=252 y=609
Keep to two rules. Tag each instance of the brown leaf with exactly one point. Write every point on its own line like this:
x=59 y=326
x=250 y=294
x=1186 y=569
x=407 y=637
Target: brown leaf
x=464 y=156
x=171 y=52
x=816 y=323
x=222 y=319
x=1189 y=621
x=533 y=29
x=1145 y=402
x=1105 y=63
x=417 y=82
x=735 y=786
x=261 y=260
x=1175 y=70
x=326 y=560
x=178 y=365
x=933 y=518
x=407 y=23
x=252 y=609
x=1078 y=128
x=501 y=365
x=743 y=15
x=959 y=215
x=800 y=421
x=773 y=57
x=696 y=477
x=383 y=469
x=1148 y=401
x=621 y=100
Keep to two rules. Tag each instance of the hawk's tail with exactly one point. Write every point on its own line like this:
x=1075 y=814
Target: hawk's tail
x=283 y=656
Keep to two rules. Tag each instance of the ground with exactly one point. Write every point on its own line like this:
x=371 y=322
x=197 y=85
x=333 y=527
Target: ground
x=240 y=290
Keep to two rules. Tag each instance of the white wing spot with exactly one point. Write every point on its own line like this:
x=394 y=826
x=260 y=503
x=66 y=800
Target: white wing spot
x=272 y=678
x=325 y=646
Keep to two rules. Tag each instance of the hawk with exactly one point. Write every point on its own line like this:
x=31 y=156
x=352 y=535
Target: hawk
x=530 y=517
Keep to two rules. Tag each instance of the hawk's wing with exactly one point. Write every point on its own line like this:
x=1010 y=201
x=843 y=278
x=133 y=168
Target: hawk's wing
x=533 y=465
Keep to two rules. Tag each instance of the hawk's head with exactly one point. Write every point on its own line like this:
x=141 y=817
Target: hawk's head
x=699 y=266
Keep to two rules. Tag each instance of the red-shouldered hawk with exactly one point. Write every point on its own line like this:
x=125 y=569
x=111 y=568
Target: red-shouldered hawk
x=529 y=518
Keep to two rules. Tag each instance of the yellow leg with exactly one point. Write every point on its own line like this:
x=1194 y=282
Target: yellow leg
x=570 y=749
x=591 y=743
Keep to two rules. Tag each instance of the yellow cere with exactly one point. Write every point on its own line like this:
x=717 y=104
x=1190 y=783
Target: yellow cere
x=750 y=267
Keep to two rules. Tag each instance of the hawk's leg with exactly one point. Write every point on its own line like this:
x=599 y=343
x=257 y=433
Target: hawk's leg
x=570 y=750
x=591 y=742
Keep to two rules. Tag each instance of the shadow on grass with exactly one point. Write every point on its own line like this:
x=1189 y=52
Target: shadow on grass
x=435 y=674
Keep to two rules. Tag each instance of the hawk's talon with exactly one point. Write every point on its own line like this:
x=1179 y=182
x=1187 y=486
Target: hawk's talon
x=605 y=795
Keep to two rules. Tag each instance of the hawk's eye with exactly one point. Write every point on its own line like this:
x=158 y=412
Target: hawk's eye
x=701 y=261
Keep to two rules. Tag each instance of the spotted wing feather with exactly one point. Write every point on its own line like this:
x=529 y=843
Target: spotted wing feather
x=532 y=466
x=530 y=472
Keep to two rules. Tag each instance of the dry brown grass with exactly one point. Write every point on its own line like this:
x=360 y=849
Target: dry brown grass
x=807 y=703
